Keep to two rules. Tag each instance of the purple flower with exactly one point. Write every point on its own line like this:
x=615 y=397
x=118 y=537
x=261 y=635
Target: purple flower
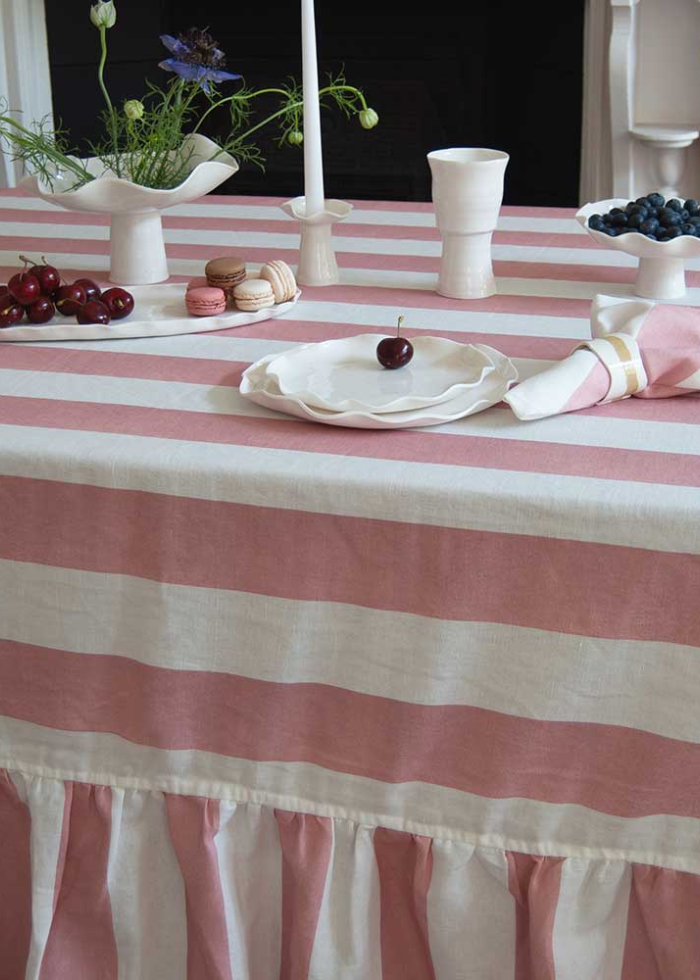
x=197 y=58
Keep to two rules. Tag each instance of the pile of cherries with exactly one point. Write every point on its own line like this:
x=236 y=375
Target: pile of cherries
x=652 y=216
x=39 y=292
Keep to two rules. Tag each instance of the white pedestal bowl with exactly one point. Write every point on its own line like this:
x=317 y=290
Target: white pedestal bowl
x=661 y=272
x=137 y=249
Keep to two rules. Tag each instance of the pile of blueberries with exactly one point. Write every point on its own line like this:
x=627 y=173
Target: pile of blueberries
x=658 y=219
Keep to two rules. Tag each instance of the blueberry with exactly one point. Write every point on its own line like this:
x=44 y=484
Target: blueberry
x=596 y=223
x=643 y=201
x=650 y=226
x=607 y=219
x=656 y=200
x=616 y=211
x=674 y=204
x=684 y=215
x=690 y=205
x=635 y=220
x=612 y=232
x=653 y=237
x=619 y=219
x=695 y=219
x=688 y=229
x=674 y=232
x=668 y=218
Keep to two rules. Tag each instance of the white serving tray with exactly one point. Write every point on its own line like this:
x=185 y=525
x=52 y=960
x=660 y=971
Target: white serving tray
x=345 y=376
x=159 y=311
x=261 y=388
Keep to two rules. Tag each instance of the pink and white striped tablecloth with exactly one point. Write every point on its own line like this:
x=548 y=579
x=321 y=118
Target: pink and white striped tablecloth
x=279 y=700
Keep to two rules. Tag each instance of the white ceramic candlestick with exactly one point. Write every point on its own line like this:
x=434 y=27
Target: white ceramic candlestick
x=313 y=156
x=467 y=193
x=317 y=265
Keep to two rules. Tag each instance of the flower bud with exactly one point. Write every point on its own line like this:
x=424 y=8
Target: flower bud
x=133 y=109
x=296 y=138
x=368 y=119
x=103 y=13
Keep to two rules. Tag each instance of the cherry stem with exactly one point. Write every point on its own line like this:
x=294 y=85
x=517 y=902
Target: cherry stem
x=398 y=325
x=23 y=258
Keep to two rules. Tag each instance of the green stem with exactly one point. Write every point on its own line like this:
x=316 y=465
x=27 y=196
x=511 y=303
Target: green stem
x=108 y=101
x=289 y=107
x=101 y=69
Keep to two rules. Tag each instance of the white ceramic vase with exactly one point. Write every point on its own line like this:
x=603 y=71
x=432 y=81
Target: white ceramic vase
x=467 y=194
x=137 y=248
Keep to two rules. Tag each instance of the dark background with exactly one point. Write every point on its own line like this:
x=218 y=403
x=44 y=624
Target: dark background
x=506 y=75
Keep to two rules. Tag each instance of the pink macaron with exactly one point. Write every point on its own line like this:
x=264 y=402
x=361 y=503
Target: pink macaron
x=197 y=282
x=205 y=301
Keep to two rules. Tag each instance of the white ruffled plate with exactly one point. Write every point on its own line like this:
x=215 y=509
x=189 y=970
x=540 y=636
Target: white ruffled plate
x=159 y=311
x=261 y=388
x=345 y=376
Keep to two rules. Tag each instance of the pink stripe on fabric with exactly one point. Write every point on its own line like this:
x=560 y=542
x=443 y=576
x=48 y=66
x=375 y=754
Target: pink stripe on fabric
x=15 y=881
x=81 y=942
x=519 y=579
x=194 y=824
x=120 y=364
x=405 y=865
x=306 y=843
x=540 y=239
x=663 y=925
x=617 y=770
x=591 y=391
x=153 y=367
x=534 y=884
x=411 y=445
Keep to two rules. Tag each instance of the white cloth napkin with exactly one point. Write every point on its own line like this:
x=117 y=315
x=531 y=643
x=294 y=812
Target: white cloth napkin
x=637 y=348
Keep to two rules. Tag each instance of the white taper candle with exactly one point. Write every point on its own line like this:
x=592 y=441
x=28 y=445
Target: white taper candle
x=313 y=157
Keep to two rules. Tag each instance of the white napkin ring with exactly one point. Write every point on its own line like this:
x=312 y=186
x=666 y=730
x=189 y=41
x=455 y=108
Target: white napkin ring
x=622 y=359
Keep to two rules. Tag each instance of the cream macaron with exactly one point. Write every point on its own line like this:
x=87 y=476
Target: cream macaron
x=253 y=294
x=281 y=278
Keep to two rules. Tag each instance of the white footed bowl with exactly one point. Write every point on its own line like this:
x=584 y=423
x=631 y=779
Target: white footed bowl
x=661 y=264
x=136 y=232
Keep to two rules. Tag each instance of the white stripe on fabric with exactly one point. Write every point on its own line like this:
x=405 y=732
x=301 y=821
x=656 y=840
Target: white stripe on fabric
x=250 y=212
x=443 y=495
x=250 y=869
x=347 y=934
x=590 y=922
x=500 y=252
x=471 y=913
x=45 y=799
x=528 y=826
x=552 y=676
x=146 y=890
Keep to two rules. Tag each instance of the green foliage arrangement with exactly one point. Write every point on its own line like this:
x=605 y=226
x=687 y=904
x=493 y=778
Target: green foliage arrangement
x=145 y=141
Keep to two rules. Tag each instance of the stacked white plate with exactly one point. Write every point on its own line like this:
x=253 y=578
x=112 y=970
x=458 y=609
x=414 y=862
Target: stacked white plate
x=341 y=382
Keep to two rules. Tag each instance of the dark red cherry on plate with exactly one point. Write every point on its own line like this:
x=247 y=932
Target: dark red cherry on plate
x=41 y=310
x=94 y=311
x=394 y=352
x=10 y=313
x=92 y=290
x=4 y=291
x=24 y=288
x=69 y=299
x=119 y=301
x=49 y=277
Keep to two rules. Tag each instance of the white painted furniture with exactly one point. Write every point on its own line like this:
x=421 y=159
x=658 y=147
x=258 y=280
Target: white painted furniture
x=25 y=80
x=641 y=106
